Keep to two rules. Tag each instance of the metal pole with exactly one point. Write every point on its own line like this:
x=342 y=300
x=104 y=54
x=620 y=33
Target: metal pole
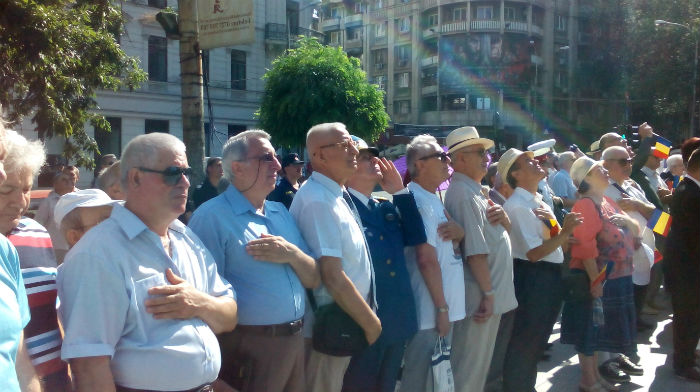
x=191 y=86
x=691 y=128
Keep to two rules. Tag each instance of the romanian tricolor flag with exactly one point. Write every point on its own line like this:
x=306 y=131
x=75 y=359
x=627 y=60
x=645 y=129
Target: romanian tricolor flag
x=662 y=148
x=553 y=227
x=602 y=275
x=660 y=222
x=657 y=256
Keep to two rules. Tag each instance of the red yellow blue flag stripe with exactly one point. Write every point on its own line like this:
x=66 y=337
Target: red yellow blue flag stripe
x=660 y=222
x=662 y=148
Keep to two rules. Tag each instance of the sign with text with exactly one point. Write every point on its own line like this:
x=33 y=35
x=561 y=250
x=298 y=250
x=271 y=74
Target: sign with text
x=225 y=23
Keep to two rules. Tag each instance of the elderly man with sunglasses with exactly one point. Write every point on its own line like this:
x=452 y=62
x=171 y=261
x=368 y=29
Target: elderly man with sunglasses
x=329 y=222
x=258 y=248
x=488 y=265
x=140 y=296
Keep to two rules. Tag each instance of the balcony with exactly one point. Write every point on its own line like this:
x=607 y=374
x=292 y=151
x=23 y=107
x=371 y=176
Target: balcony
x=403 y=63
x=277 y=33
x=515 y=26
x=430 y=32
x=379 y=40
x=472 y=117
x=427 y=4
x=404 y=9
x=428 y=61
x=353 y=20
x=429 y=90
x=330 y=24
x=455 y=27
x=485 y=25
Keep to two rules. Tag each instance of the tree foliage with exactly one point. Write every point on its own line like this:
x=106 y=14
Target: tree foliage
x=314 y=84
x=54 y=56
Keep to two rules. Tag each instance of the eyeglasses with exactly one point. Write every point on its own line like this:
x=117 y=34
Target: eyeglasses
x=269 y=157
x=345 y=144
x=481 y=153
x=443 y=156
x=171 y=175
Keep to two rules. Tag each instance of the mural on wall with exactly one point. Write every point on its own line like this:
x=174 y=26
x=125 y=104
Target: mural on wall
x=484 y=58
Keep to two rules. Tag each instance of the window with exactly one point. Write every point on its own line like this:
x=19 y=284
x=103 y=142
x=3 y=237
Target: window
x=459 y=14
x=379 y=59
x=355 y=34
x=157 y=126
x=158 y=3
x=358 y=8
x=403 y=79
x=405 y=24
x=378 y=4
x=334 y=37
x=484 y=12
x=157 y=58
x=381 y=82
x=479 y=103
x=205 y=66
x=380 y=30
x=336 y=12
x=235 y=129
x=238 y=70
x=561 y=22
x=404 y=107
x=433 y=20
x=509 y=13
x=403 y=55
x=110 y=142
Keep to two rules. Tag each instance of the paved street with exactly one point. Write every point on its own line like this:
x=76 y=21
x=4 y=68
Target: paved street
x=561 y=373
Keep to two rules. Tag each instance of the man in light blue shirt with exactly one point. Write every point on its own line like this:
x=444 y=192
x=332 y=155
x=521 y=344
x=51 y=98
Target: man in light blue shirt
x=258 y=248
x=561 y=183
x=140 y=295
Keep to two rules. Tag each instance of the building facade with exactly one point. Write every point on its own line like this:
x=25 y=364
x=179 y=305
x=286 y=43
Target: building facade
x=504 y=66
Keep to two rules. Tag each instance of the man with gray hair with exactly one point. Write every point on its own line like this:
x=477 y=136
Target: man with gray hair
x=562 y=184
x=109 y=181
x=258 y=248
x=140 y=296
x=329 y=222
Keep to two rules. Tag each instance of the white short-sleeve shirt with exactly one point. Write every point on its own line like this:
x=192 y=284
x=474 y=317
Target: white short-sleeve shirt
x=527 y=230
x=330 y=229
x=452 y=270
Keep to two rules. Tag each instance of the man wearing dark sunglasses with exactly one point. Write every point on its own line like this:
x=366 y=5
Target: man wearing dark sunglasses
x=159 y=283
x=263 y=255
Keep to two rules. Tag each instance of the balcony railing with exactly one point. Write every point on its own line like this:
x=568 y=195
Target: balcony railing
x=514 y=26
x=330 y=24
x=485 y=25
x=353 y=20
x=428 y=61
x=277 y=32
x=455 y=27
x=353 y=43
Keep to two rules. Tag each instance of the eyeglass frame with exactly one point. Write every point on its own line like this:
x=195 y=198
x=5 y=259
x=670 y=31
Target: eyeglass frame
x=442 y=155
x=172 y=175
x=345 y=144
x=267 y=158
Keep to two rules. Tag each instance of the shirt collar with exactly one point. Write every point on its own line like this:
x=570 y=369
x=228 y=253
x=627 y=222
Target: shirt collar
x=132 y=225
x=417 y=189
x=362 y=198
x=527 y=196
x=240 y=205
x=327 y=183
x=469 y=182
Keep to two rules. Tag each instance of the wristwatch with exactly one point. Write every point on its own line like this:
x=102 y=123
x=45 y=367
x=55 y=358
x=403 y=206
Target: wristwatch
x=443 y=309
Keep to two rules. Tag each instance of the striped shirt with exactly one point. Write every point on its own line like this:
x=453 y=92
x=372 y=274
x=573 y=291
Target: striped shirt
x=38 y=263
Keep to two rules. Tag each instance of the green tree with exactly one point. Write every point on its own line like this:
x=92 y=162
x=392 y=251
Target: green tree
x=314 y=84
x=54 y=56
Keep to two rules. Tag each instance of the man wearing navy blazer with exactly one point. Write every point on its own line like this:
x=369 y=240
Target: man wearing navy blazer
x=388 y=228
x=682 y=269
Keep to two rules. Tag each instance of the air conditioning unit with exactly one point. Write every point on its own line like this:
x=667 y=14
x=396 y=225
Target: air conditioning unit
x=403 y=63
x=379 y=66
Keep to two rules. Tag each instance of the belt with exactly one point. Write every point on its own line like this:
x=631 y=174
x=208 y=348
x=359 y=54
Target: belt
x=201 y=388
x=539 y=264
x=284 y=329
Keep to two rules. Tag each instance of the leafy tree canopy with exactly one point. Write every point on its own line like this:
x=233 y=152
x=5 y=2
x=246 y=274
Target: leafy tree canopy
x=314 y=84
x=54 y=56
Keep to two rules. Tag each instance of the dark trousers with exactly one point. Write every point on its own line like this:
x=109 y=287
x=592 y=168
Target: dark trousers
x=539 y=294
x=686 y=324
x=494 y=379
x=251 y=362
x=640 y=295
x=376 y=369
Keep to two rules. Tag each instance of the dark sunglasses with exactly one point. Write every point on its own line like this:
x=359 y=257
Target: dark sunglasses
x=171 y=175
x=443 y=156
x=623 y=161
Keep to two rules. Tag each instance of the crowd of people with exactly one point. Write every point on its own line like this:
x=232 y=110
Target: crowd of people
x=260 y=281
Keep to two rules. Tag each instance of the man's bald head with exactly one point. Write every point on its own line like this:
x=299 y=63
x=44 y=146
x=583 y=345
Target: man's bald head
x=322 y=134
x=615 y=152
x=612 y=139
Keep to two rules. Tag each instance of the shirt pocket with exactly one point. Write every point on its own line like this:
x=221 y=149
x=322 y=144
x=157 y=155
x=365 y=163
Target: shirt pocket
x=147 y=323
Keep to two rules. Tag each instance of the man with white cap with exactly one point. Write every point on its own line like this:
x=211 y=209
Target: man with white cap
x=487 y=254
x=77 y=212
x=544 y=153
x=537 y=242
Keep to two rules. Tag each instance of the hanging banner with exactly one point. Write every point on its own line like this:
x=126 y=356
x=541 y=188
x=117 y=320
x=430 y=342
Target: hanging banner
x=225 y=23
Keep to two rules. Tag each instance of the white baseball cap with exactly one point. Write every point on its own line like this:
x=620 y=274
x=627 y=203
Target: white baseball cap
x=80 y=198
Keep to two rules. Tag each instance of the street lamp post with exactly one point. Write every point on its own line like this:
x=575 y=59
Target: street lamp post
x=691 y=127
